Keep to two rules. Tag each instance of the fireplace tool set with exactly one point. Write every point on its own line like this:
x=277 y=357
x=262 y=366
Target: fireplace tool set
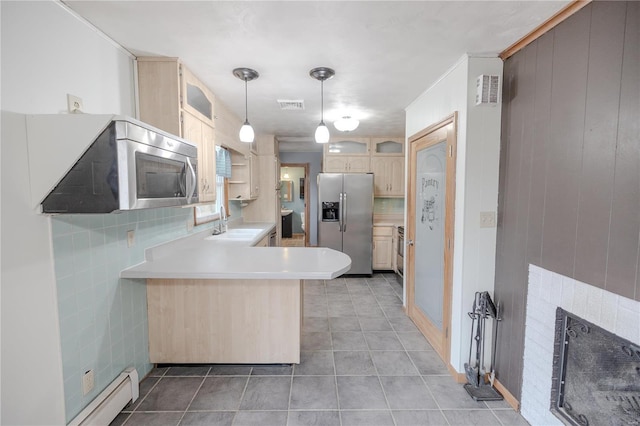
x=478 y=387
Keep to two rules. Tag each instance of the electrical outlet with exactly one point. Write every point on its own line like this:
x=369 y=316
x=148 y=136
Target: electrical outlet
x=74 y=103
x=131 y=238
x=88 y=382
x=487 y=219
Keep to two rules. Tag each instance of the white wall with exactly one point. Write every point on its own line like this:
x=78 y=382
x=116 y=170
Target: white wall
x=477 y=167
x=46 y=53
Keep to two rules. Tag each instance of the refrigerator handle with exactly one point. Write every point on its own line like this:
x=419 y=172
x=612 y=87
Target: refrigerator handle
x=340 y=215
x=344 y=212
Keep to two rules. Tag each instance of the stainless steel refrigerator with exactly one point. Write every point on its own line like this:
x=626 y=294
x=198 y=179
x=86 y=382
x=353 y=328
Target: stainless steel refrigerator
x=345 y=217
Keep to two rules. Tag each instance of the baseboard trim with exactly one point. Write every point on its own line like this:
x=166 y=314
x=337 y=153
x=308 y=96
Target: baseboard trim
x=508 y=397
x=460 y=378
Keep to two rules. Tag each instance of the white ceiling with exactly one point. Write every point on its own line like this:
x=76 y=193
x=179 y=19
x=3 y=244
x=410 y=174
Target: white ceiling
x=385 y=53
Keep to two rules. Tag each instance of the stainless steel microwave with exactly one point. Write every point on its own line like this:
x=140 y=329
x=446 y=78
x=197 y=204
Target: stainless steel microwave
x=129 y=166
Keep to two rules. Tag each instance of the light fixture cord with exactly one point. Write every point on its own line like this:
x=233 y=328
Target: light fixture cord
x=322 y=101
x=246 y=108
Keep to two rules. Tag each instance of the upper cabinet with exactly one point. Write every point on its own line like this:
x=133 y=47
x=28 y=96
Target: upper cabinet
x=388 y=176
x=171 y=98
x=384 y=157
x=201 y=134
x=196 y=98
x=347 y=156
x=352 y=146
x=346 y=164
x=167 y=89
x=387 y=146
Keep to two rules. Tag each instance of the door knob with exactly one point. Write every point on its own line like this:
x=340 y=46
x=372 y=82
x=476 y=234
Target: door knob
x=409 y=242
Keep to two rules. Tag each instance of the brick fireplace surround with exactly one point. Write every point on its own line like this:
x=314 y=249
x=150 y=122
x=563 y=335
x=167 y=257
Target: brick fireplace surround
x=548 y=291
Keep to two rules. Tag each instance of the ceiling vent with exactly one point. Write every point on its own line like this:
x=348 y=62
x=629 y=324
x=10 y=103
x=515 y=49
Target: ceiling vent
x=291 y=104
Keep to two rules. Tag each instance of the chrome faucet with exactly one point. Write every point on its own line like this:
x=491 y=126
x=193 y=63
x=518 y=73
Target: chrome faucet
x=222 y=222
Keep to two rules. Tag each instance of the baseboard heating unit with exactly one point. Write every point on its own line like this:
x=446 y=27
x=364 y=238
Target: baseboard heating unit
x=106 y=406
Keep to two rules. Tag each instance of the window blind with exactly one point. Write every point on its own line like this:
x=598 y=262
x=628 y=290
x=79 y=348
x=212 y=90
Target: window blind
x=223 y=162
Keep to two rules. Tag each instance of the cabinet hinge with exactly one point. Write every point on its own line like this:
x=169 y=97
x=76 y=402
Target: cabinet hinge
x=450 y=150
x=446 y=333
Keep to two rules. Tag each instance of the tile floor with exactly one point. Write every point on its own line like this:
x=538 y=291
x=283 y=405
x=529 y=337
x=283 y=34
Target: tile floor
x=363 y=362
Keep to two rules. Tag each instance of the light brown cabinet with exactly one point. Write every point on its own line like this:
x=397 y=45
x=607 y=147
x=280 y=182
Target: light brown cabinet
x=388 y=176
x=346 y=164
x=382 y=247
x=201 y=134
x=171 y=98
x=347 y=156
x=225 y=321
x=384 y=157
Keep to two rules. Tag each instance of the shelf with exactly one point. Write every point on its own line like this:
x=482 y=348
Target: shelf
x=238 y=164
x=231 y=182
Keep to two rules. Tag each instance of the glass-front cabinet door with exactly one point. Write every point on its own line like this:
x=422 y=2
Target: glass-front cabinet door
x=353 y=146
x=196 y=98
x=387 y=146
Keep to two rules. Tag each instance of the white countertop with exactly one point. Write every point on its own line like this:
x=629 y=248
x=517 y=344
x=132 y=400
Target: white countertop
x=195 y=257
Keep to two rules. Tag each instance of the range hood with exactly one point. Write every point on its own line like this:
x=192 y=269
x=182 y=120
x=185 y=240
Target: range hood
x=85 y=163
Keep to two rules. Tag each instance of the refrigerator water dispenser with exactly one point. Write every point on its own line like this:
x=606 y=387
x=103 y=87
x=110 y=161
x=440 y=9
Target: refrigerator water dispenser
x=330 y=211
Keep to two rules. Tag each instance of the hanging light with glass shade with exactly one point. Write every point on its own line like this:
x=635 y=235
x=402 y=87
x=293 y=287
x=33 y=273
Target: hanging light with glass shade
x=322 y=74
x=247 y=74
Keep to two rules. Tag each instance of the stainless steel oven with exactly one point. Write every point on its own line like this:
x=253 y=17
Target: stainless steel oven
x=400 y=250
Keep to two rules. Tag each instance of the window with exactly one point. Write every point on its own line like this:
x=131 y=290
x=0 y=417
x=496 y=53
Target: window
x=210 y=212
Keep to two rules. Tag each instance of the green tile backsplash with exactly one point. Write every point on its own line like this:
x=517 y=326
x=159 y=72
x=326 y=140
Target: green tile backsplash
x=103 y=319
x=388 y=205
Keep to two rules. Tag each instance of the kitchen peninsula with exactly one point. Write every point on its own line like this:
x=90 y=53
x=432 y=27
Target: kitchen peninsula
x=218 y=299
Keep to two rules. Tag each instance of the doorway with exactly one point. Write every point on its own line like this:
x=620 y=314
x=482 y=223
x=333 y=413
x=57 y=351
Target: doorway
x=429 y=232
x=294 y=194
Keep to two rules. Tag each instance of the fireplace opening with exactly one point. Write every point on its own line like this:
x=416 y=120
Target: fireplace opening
x=596 y=375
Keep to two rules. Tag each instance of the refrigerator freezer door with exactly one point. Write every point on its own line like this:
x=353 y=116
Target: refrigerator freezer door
x=329 y=193
x=357 y=239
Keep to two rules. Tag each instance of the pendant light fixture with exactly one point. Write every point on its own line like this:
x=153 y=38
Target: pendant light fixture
x=322 y=74
x=247 y=74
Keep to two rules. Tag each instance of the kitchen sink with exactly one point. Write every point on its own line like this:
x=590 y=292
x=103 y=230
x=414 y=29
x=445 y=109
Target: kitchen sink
x=237 y=234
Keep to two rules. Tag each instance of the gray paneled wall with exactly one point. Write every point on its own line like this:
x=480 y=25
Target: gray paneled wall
x=570 y=165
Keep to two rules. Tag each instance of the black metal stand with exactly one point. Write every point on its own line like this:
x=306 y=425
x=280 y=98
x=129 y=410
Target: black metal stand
x=477 y=387
x=483 y=392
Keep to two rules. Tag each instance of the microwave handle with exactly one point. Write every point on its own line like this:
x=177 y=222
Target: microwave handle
x=191 y=179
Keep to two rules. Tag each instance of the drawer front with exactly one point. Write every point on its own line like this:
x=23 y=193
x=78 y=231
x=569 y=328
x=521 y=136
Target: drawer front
x=383 y=231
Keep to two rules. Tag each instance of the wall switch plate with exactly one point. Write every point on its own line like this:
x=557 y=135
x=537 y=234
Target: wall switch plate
x=74 y=103
x=88 y=382
x=487 y=219
x=131 y=238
